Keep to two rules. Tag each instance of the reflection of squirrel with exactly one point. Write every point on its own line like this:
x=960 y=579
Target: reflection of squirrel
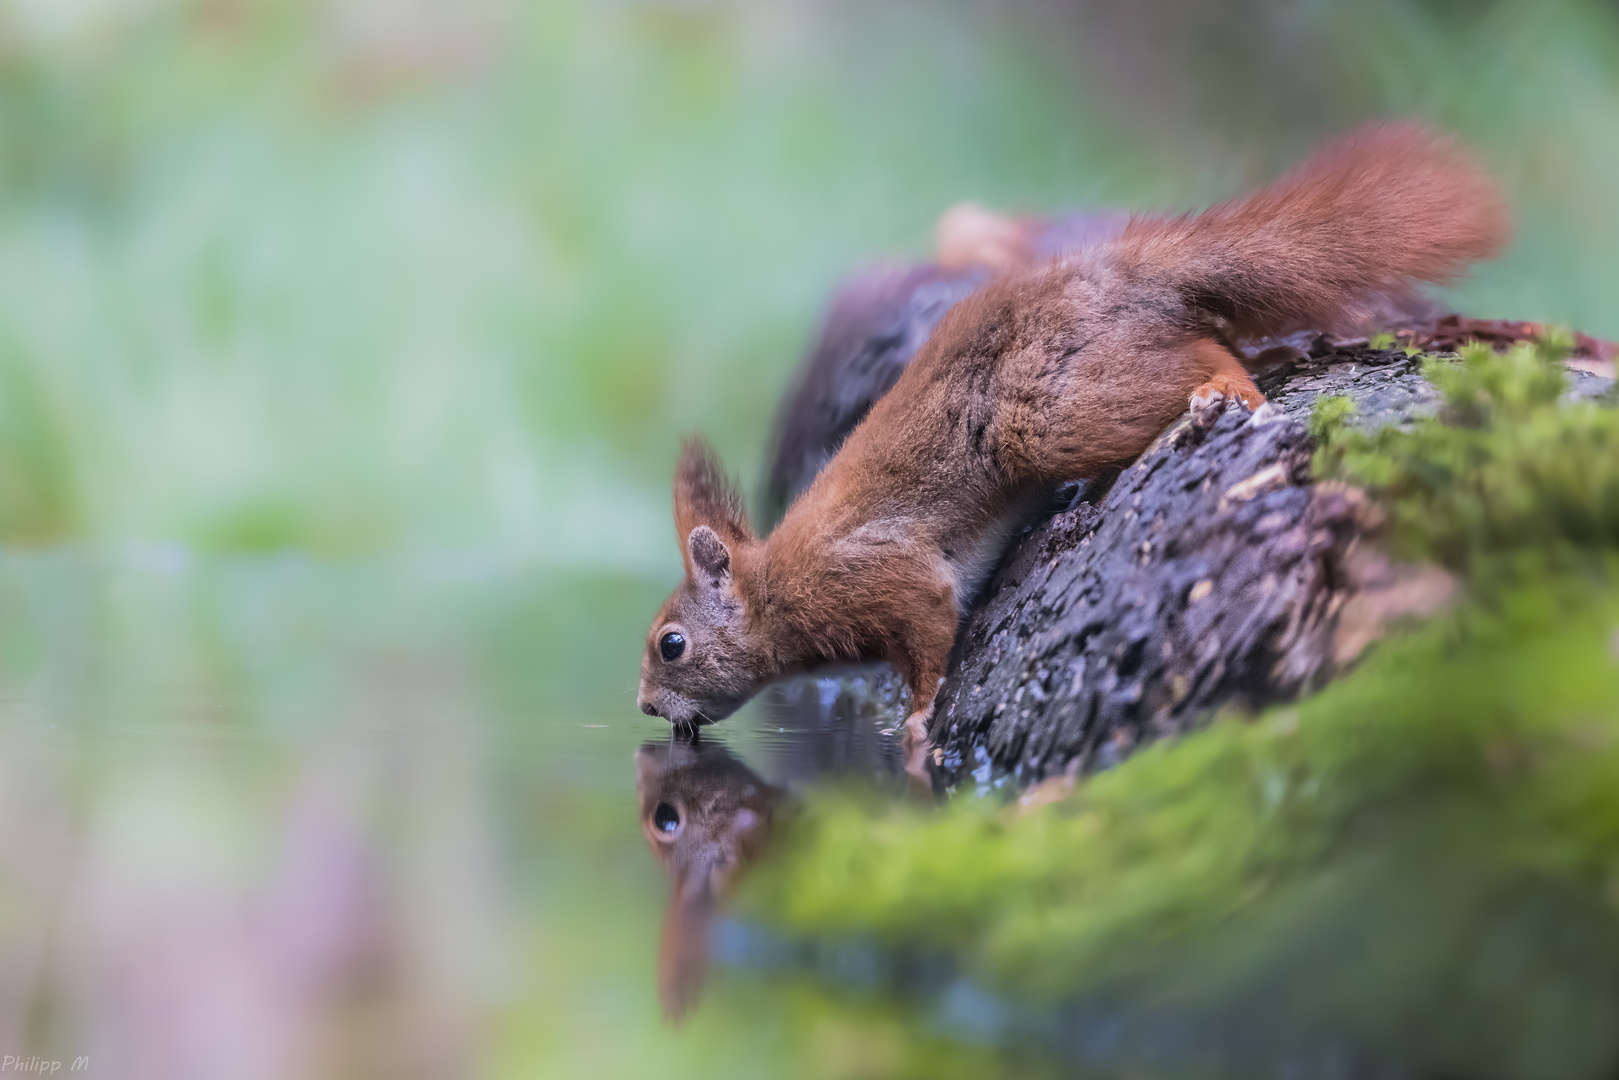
x=1050 y=373
x=706 y=817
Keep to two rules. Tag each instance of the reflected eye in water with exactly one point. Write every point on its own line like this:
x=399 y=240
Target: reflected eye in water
x=671 y=645
x=665 y=818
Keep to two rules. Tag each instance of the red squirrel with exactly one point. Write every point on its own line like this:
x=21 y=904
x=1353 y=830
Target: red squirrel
x=1050 y=373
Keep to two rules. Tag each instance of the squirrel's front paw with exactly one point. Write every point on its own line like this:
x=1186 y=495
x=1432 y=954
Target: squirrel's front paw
x=1223 y=388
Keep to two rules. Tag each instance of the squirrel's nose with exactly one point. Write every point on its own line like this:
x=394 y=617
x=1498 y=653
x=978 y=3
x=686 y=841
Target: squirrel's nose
x=649 y=708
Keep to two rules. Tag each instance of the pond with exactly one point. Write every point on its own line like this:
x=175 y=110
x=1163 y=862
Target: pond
x=270 y=817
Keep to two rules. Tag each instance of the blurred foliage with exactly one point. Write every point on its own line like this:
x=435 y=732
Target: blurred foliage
x=346 y=276
x=39 y=496
x=1328 y=873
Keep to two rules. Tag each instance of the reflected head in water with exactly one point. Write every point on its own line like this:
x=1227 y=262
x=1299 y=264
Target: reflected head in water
x=706 y=816
x=700 y=664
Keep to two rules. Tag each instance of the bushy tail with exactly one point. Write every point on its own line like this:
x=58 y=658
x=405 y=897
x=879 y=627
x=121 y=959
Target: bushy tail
x=1363 y=220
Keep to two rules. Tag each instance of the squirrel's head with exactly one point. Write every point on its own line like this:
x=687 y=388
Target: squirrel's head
x=699 y=665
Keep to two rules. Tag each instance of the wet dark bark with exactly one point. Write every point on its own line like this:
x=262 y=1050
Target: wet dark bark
x=1212 y=573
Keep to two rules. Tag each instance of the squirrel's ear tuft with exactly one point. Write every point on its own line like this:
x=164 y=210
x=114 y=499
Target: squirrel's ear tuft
x=709 y=555
x=704 y=495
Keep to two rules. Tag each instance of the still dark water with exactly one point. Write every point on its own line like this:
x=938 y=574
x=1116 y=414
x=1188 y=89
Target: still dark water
x=272 y=818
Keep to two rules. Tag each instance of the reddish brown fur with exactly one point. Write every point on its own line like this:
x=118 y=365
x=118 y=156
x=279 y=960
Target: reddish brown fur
x=1049 y=373
x=1365 y=217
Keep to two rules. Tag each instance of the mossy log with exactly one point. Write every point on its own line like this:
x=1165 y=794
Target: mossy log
x=1211 y=573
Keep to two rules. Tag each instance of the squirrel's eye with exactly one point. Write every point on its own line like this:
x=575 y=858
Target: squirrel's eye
x=665 y=818
x=671 y=645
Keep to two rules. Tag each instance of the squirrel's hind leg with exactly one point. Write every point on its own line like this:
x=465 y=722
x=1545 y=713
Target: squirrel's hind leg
x=1227 y=379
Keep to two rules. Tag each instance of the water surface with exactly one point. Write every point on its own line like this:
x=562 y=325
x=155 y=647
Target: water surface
x=270 y=817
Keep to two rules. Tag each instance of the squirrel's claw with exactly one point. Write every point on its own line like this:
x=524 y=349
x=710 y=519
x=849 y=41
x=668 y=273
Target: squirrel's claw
x=1223 y=388
x=1209 y=400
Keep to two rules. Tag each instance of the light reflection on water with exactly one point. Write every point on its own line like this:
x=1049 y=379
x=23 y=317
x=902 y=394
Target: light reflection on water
x=271 y=818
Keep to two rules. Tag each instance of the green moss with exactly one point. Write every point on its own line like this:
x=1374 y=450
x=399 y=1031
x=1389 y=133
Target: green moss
x=1336 y=865
x=1507 y=474
x=1521 y=702
x=1330 y=417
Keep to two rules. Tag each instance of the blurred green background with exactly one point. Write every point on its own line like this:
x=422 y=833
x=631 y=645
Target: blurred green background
x=357 y=276
x=345 y=346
